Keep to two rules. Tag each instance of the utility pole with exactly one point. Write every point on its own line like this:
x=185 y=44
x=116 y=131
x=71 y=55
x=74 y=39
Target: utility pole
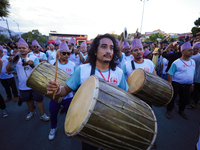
x=142 y=14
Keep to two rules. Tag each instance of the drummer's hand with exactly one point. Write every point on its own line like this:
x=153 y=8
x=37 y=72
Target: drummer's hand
x=76 y=51
x=30 y=62
x=122 y=36
x=52 y=86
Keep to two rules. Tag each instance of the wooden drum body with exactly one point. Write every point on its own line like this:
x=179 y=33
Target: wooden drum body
x=107 y=117
x=150 y=88
x=41 y=75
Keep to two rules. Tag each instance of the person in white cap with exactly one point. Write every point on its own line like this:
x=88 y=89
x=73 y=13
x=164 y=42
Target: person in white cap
x=40 y=55
x=75 y=55
x=24 y=68
x=69 y=67
x=181 y=75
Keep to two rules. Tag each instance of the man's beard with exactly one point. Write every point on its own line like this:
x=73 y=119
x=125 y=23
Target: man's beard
x=106 y=61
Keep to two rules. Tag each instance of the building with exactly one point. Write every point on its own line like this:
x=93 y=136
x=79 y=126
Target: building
x=147 y=34
x=66 y=37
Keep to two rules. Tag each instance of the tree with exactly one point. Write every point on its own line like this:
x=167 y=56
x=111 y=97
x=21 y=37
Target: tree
x=153 y=37
x=196 y=29
x=35 y=35
x=4 y=5
x=4 y=39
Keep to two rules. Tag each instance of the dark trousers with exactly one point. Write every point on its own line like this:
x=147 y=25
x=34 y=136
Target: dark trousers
x=196 y=92
x=183 y=90
x=54 y=109
x=2 y=103
x=7 y=84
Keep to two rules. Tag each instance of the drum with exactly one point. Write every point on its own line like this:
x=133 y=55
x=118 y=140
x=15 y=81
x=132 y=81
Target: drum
x=107 y=117
x=150 y=88
x=41 y=75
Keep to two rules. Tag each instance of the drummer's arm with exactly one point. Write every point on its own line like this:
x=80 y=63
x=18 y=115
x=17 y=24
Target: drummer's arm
x=170 y=78
x=61 y=91
x=9 y=68
x=154 y=72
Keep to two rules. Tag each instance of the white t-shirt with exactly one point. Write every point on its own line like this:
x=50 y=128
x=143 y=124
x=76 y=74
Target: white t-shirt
x=195 y=55
x=165 y=64
x=124 y=59
x=147 y=65
x=49 y=53
x=40 y=55
x=5 y=52
x=24 y=71
x=69 y=68
x=182 y=71
x=75 y=58
x=83 y=72
x=4 y=74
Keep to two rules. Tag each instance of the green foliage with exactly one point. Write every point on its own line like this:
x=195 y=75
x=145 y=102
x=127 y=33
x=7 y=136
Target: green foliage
x=35 y=35
x=4 y=5
x=195 y=30
x=147 y=40
x=153 y=37
x=4 y=39
x=197 y=22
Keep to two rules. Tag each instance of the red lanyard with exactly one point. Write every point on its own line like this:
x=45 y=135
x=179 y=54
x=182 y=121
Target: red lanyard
x=36 y=55
x=185 y=63
x=64 y=63
x=138 y=62
x=103 y=75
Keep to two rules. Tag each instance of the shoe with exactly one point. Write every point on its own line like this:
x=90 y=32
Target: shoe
x=30 y=115
x=183 y=114
x=168 y=114
x=194 y=105
x=44 y=117
x=189 y=106
x=62 y=111
x=8 y=99
x=5 y=113
x=16 y=99
x=52 y=133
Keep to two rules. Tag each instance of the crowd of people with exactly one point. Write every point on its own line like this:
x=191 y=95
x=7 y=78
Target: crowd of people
x=177 y=61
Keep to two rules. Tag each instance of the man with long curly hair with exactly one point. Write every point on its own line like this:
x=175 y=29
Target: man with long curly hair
x=102 y=56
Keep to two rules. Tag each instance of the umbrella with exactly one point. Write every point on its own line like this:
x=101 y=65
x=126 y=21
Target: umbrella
x=51 y=41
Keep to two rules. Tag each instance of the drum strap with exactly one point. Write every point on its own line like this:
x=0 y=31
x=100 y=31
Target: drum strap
x=132 y=64
x=92 y=71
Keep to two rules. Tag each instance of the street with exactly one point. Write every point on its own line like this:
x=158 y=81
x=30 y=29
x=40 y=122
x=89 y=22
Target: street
x=19 y=134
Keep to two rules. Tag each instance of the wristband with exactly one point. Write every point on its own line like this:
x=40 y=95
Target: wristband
x=58 y=91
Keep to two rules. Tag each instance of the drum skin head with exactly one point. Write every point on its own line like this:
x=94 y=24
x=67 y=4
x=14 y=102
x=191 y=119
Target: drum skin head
x=136 y=80
x=83 y=101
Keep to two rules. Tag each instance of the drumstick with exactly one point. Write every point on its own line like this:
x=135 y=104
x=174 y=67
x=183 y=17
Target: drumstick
x=57 y=56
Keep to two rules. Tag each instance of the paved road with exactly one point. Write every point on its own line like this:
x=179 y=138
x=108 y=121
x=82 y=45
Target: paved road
x=18 y=134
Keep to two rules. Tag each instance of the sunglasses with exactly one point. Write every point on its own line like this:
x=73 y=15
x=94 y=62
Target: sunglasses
x=64 y=53
x=35 y=46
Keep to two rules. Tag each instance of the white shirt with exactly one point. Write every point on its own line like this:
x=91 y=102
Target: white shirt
x=147 y=65
x=24 y=71
x=124 y=59
x=165 y=64
x=40 y=55
x=5 y=52
x=49 y=53
x=75 y=58
x=69 y=68
x=182 y=71
x=4 y=74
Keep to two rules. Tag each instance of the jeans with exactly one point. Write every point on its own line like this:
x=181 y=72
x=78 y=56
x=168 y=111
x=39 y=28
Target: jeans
x=2 y=103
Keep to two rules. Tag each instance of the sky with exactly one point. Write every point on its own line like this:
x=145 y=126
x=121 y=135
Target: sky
x=94 y=17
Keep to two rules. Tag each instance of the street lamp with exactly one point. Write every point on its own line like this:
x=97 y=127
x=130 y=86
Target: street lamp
x=18 y=27
x=142 y=13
